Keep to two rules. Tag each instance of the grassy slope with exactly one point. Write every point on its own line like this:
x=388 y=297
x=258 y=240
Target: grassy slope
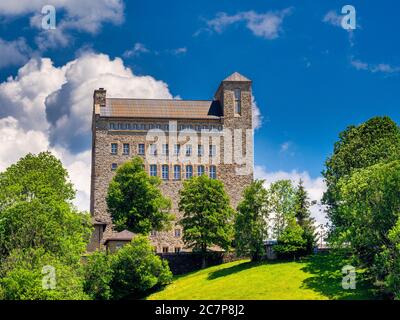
x=318 y=277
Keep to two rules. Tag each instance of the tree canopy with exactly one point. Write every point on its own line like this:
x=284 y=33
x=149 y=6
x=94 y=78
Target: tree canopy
x=207 y=215
x=135 y=201
x=251 y=224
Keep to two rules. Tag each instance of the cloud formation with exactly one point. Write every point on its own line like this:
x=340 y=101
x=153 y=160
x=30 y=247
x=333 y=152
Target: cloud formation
x=49 y=108
x=265 y=25
x=13 y=53
x=83 y=16
x=374 y=68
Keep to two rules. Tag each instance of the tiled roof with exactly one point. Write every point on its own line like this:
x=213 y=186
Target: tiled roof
x=161 y=108
x=121 y=236
x=236 y=76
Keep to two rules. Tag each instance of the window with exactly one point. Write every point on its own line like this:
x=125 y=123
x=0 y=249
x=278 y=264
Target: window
x=177 y=249
x=126 y=148
x=189 y=171
x=153 y=170
x=177 y=149
x=200 y=150
x=165 y=150
x=165 y=172
x=114 y=166
x=213 y=172
x=188 y=150
x=237 y=102
x=141 y=148
x=177 y=233
x=114 y=148
x=200 y=170
x=165 y=250
x=213 y=150
x=177 y=172
x=153 y=149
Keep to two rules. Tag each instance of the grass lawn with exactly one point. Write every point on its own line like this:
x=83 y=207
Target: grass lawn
x=315 y=278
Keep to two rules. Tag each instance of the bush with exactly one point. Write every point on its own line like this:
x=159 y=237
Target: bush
x=98 y=275
x=25 y=272
x=291 y=241
x=137 y=270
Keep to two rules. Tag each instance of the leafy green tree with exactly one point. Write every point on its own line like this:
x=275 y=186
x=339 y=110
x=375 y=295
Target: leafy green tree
x=251 y=227
x=303 y=216
x=135 y=201
x=207 y=215
x=291 y=241
x=27 y=274
x=386 y=266
x=98 y=274
x=369 y=209
x=36 y=210
x=282 y=204
x=373 y=142
x=137 y=270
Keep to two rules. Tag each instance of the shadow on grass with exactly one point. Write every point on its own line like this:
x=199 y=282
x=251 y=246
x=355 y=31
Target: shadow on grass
x=238 y=268
x=326 y=270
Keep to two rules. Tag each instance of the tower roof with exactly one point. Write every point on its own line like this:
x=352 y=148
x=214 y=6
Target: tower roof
x=236 y=76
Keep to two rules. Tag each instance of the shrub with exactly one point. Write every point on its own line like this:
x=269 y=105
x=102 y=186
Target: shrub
x=98 y=275
x=291 y=242
x=24 y=273
x=137 y=270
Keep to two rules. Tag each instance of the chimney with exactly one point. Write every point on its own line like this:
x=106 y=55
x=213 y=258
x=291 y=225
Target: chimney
x=99 y=99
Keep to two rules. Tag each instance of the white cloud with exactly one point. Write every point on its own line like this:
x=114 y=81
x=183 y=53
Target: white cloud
x=315 y=187
x=23 y=97
x=266 y=25
x=16 y=141
x=333 y=19
x=374 y=68
x=137 y=49
x=285 y=146
x=14 y=52
x=49 y=108
x=178 y=51
x=257 y=117
x=86 y=16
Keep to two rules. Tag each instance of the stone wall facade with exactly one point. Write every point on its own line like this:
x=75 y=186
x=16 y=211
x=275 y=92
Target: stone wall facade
x=228 y=127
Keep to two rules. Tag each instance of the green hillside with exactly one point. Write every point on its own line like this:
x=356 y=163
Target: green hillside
x=318 y=277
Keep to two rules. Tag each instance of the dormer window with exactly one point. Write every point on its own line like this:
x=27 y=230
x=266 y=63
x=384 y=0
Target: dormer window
x=238 y=107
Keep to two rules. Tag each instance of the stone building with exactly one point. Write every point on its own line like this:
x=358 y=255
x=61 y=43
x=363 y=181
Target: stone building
x=178 y=139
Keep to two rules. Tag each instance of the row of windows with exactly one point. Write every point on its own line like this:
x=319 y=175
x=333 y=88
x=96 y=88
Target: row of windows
x=177 y=233
x=177 y=173
x=166 y=249
x=165 y=127
x=165 y=149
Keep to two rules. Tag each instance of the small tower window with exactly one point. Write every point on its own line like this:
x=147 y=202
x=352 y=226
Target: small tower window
x=238 y=107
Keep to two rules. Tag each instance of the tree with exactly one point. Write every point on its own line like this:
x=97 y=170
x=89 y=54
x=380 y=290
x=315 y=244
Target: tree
x=369 y=209
x=373 y=142
x=251 y=227
x=34 y=274
x=135 y=201
x=98 y=274
x=36 y=210
x=303 y=216
x=291 y=241
x=282 y=202
x=137 y=269
x=207 y=215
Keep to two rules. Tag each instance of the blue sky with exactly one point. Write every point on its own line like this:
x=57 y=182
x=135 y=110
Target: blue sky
x=311 y=78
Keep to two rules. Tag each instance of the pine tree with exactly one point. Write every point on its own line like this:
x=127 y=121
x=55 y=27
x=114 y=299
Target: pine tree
x=303 y=216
